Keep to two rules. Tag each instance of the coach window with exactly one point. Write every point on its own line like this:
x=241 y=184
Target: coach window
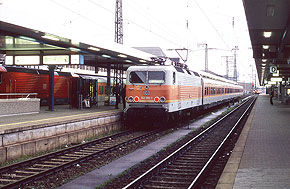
x=156 y=77
x=0 y=77
x=138 y=77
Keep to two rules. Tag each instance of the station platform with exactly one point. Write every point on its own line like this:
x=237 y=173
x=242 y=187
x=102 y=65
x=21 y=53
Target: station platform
x=28 y=134
x=45 y=116
x=261 y=158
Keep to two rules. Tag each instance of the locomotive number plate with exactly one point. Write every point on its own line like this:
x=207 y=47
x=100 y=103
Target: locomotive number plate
x=146 y=93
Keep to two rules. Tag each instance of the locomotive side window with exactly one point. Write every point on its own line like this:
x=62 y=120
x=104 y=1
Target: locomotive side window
x=179 y=69
x=0 y=77
x=196 y=74
x=174 y=79
x=156 y=77
x=138 y=77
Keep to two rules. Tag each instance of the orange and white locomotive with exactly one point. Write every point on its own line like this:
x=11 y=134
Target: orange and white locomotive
x=170 y=91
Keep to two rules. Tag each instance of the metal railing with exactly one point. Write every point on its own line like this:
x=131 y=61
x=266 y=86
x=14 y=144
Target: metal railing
x=17 y=95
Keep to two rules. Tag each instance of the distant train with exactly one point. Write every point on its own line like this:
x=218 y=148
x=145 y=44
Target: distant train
x=169 y=92
x=68 y=88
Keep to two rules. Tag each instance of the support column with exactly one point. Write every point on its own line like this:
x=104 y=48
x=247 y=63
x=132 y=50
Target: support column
x=108 y=80
x=51 y=88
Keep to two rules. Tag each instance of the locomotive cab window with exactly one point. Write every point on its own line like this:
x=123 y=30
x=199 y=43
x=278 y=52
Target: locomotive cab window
x=156 y=77
x=151 y=77
x=0 y=77
x=138 y=77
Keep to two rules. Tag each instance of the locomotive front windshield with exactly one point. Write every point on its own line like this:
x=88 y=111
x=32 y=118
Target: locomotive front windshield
x=147 y=77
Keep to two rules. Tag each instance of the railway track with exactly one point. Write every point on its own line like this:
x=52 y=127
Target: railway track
x=22 y=174
x=187 y=166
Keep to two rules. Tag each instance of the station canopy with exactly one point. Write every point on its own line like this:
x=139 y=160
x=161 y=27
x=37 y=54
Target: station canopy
x=269 y=28
x=35 y=47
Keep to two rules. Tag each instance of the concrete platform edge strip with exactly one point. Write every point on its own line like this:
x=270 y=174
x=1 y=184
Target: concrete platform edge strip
x=35 y=124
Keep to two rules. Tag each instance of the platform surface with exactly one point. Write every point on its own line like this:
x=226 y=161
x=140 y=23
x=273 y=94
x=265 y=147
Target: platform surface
x=60 y=113
x=261 y=158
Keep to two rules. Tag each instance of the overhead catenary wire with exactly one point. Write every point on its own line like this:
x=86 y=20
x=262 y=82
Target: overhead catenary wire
x=205 y=15
x=154 y=20
x=79 y=15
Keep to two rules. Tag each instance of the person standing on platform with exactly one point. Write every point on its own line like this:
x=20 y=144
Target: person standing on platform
x=117 y=93
x=271 y=97
x=124 y=96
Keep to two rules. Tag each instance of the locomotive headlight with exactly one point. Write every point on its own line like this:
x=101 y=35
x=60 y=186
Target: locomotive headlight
x=162 y=99
x=130 y=99
x=136 y=99
x=156 y=99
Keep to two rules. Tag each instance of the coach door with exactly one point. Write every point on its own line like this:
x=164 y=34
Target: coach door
x=202 y=91
x=179 y=94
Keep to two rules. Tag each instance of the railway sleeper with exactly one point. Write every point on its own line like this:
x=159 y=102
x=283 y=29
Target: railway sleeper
x=69 y=156
x=178 y=173
x=186 y=167
x=44 y=165
x=83 y=153
x=160 y=187
x=175 y=178
x=61 y=161
x=88 y=151
x=12 y=176
x=192 y=158
x=53 y=162
x=36 y=168
x=169 y=183
x=187 y=163
x=27 y=172
x=196 y=152
x=7 y=180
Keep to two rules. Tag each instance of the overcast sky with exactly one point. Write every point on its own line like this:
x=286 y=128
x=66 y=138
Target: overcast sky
x=147 y=23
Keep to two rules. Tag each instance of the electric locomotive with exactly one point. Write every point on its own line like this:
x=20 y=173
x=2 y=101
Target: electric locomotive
x=170 y=92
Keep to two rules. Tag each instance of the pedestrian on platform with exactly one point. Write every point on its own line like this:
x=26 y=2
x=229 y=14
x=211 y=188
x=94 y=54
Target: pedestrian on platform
x=117 y=91
x=271 y=97
x=124 y=96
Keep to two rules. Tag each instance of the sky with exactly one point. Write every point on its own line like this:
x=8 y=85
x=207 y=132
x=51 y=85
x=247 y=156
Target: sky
x=174 y=24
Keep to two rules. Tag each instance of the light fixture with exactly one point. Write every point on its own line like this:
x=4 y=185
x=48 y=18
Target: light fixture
x=263 y=64
x=263 y=54
x=27 y=38
x=142 y=61
x=270 y=10
x=267 y=34
x=122 y=56
x=94 y=49
x=266 y=46
x=264 y=60
x=74 y=49
x=128 y=61
x=106 y=56
x=46 y=36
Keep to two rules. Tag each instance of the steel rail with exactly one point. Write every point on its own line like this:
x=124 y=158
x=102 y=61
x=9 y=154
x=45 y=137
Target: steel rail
x=155 y=169
x=38 y=175
x=197 y=179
